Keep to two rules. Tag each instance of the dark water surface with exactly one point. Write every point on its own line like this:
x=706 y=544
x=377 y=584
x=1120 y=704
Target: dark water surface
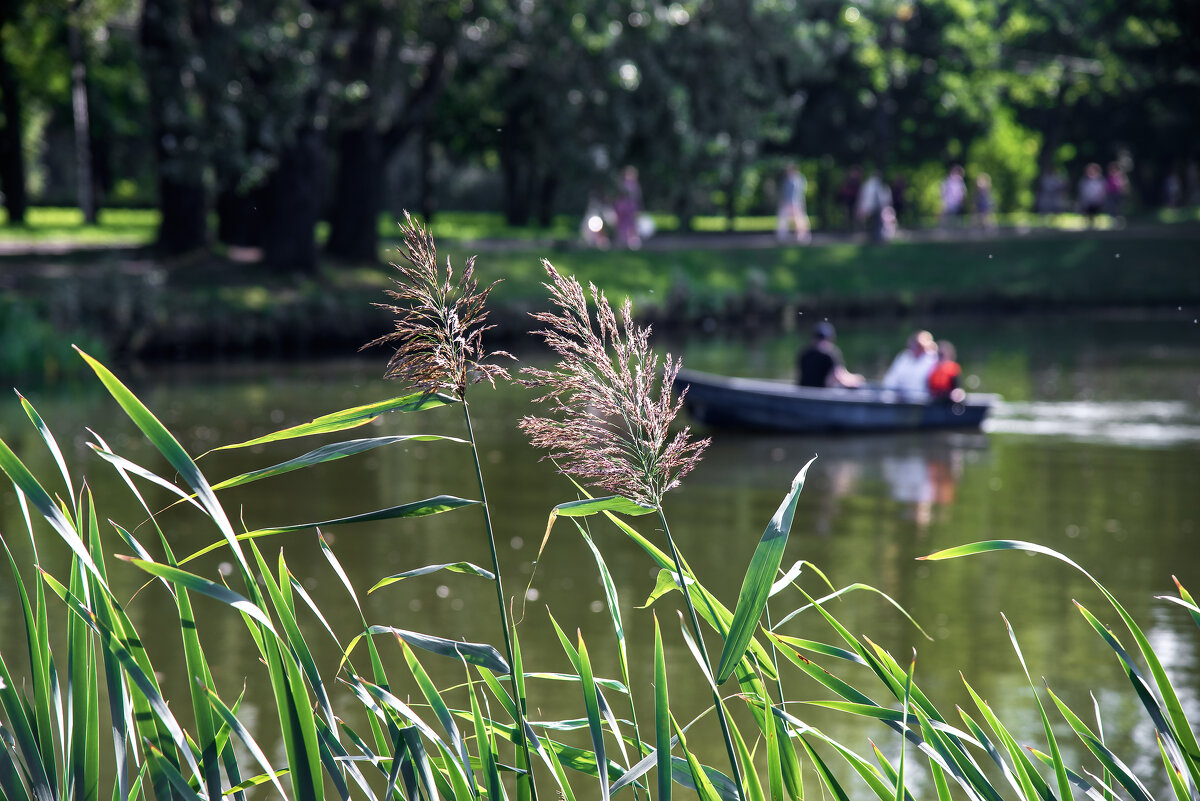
x=1094 y=453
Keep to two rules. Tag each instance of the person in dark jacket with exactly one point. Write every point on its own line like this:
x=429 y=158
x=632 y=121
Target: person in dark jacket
x=820 y=362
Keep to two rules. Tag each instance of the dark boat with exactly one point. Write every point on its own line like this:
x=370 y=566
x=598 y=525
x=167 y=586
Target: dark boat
x=766 y=405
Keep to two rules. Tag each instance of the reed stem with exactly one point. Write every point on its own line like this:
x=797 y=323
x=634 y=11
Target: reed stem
x=518 y=695
x=695 y=621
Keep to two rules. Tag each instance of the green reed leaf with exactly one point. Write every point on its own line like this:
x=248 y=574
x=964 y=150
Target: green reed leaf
x=774 y=765
x=1187 y=600
x=753 y=789
x=24 y=722
x=169 y=447
x=328 y=453
x=760 y=575
x=1022 y=773
x=350 y=418
x=452 y=567
x=429 y=506
x=701 y=783
x=83 y=699
x=29 y=486
x=662 y=717
x=592 y=705
x=147 y=690
x=708 y=607
x=1175 y=774
x=593 y=506
x=883 y=784
x=1179 y=724
x=479 y=654
x=438 y=705
x=611 y=684
x=166 y=769
x=51 y=443
x=235 y=725
x=826 y=775
x=1056 y=760
x=487 y=752
x=1112 y=764
x=11 y=785
x=191 y=581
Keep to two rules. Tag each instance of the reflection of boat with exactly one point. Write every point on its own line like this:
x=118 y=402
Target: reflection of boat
x=755 y=403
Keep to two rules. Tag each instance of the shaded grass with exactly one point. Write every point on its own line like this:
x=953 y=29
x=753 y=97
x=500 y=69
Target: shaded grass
x=1120 y=269
x=1146 y=265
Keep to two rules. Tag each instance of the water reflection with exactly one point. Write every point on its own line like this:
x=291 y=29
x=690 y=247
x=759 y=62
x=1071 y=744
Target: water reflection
x=919 y=471
x=1128 y=512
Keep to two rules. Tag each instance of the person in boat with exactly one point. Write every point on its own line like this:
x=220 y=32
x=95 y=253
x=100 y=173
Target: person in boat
x=820 y=362
x=910 y=369
x=943 y=378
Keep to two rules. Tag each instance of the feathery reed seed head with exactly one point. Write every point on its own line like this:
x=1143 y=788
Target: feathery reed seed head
x=610 y=412
x=439 y=321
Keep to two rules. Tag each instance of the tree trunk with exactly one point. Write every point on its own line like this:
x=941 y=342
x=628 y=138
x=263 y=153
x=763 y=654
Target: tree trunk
x=358 y=195
x=427 y=198
x=731 y=190
x=85 y=185
x=12 y=157
x=184 y=209
x=240 y=217
x=182 y=197
x=684 y=209
x=294 y=206
x=547 y=191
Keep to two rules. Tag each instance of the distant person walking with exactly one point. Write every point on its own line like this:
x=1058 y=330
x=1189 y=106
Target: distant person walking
x=627 y=207
x=875 y=208
x=1116 y=189
x=1093 y=192
x=985 y=209
x=792 y=208
x=954 y=195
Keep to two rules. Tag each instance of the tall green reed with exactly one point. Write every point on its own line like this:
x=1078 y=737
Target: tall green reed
x=438 y=336
x=610 y=426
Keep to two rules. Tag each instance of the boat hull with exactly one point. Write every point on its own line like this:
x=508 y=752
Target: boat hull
x=759 y=404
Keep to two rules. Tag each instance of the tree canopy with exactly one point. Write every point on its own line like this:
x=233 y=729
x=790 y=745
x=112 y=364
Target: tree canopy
x=275 y=115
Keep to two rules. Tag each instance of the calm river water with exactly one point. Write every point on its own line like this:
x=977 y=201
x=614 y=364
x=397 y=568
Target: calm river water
x=1094 y=453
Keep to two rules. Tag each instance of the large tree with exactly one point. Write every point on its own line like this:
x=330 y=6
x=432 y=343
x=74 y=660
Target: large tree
x=15 y=26
x=393 y=61
x=179 y=137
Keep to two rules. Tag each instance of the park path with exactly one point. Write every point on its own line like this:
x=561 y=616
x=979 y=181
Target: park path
x=686 y=240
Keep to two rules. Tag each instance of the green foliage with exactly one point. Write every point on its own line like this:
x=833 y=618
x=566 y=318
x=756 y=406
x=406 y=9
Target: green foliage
x=470 y=740
x=33 y=347
x=1007 y=153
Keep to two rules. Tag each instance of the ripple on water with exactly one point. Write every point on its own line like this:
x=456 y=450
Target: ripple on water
x=1146 y=423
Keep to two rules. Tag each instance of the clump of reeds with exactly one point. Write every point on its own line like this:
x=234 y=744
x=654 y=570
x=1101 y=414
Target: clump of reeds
x=610 y=405
x=609 y=424
x=439 y=320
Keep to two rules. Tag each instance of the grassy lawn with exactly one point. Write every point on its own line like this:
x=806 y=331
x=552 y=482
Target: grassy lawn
x=1117 y=269
x=1146 y=264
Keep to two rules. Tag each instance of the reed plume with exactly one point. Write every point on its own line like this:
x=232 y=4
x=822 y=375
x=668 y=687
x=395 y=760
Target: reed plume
x=439 y=322
x=610 y=412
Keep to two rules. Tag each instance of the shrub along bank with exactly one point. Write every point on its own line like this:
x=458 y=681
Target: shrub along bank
x=140 y=307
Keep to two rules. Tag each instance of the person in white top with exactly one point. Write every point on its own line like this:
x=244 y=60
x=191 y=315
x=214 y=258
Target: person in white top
x=911 y=367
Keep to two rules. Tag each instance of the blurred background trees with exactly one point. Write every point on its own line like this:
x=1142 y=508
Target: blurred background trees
x=272 y=117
